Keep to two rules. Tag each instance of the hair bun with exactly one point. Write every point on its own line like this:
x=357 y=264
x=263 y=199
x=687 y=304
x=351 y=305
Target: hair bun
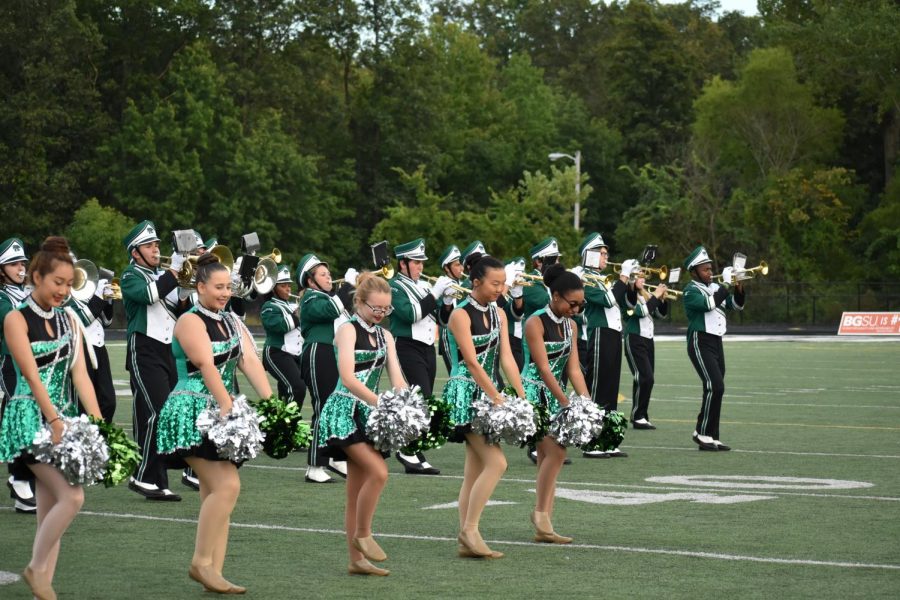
x=363 y=277
x=207 y=258
x=55 y=245
x=552 y=273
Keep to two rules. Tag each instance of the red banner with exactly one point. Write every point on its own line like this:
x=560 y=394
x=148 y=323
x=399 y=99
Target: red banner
x=870 y=323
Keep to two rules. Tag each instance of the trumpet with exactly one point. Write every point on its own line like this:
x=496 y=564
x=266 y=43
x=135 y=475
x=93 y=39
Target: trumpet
x=189 y=270
x=274 y=256
x=387 y=271
x=528 y=279
x=661 y=272
x=743 y=275
x=670 y=294
x=461 y=291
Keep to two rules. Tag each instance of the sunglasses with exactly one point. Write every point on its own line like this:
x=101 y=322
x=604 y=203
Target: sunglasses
x=576 y=306
x=380 y=310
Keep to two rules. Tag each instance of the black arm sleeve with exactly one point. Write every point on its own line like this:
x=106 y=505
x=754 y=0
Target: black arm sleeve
x=238 y=306
x=653 y=304
x=619 y=289
x=428 y=304
x=345 y=293
x=631 y=296
x=166 y=284
x=739 y=297
x=720 y=295
x=96 y=306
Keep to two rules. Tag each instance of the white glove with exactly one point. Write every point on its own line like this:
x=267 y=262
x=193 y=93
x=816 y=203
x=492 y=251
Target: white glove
x=516 y=292
x=184 y=293
x=293 y=307
x=513 y=270
x=449 y=296
x=351 y=275
x=728 y=275
x=440 y=286
x=102 y=286
x=178 y=261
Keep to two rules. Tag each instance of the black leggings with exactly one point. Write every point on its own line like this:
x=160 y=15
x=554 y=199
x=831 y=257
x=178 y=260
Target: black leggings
x=708 y=357
x=318 y=366
x=605 y=367
x=418 y=363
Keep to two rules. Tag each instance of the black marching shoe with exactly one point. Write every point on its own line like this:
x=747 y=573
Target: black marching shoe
x=616 y=453
x=642 y=424
x=705 y=443
x=721 y=447
x=152 y=492
x=190 y=481
x=532 y=455
x=416 y=464
x=23 y=496
x=315 y=474
x=594 y=454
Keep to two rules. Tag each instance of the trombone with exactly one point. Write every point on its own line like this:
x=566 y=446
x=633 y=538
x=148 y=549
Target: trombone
x=461 y=291
x=387 y=271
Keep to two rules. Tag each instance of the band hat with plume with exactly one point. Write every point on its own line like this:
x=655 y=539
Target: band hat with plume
x=518 y=260
x=697 y=257
x=414 y=250
x=11 y=251
x=546 y=247
x=284 y=275
x=450 y=254
x=591 y=242
x=142 y=233
x=210 y=243
x=200 y=242
x=305 y=267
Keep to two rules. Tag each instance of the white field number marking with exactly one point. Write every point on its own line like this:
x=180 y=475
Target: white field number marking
x=760 y=482
x=636 y=498
x=456 y=504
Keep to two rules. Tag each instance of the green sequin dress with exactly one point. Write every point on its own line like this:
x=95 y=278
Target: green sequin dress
x=558 y=345
x=461 y=388
x=54 y=355
x=177 y=432
x=343 y=418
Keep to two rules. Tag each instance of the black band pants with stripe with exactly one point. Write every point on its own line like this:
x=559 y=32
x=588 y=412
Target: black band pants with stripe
x=708 y=357
x=418 y=363
x=604 y=366
x=153 y=375
x=318 y=367
x=285 y=368
x=641 y=356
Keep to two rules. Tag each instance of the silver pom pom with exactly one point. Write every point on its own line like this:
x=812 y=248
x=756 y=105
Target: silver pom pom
x=81 y=454
x=236 y=435
x=400 y=417
x=512 y=421
x=578 y=423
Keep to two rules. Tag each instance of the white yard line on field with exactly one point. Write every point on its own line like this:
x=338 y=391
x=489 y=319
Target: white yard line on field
x=550 y=547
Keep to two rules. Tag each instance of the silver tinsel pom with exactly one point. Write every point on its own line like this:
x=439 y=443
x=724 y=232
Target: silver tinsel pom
x=400 y=417
x=512 y=421
x=236 y=435
x=578 y=423
x=81 y=454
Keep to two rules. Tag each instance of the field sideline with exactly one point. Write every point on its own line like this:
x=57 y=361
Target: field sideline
x=807 y=505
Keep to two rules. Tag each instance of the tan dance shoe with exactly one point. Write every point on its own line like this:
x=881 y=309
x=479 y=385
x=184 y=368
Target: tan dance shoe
x=364 y=567
x=545 y=533
x=40 y=587
x=370 y=548
x=474 y=547
x=212 y=581
x=466 y=553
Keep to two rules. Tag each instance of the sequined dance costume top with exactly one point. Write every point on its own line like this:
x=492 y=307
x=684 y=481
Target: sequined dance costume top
x=558 y=345
x=343 y=418
x=461 y=389
x=54 y=354
x=177 y=429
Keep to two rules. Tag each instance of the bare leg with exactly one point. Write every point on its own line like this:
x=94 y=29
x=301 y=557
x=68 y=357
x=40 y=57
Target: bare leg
x=550 y=460
x=471 y=470
x=374 y=477
x=57 y=505
x=493 y=466
x=220 y=486
x=355 y=477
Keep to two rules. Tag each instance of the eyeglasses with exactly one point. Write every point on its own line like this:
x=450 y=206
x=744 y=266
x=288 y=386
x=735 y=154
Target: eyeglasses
x=576 y=306
x=380 y=310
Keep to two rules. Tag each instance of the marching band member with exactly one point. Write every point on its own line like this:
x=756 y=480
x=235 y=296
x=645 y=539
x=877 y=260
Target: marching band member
x=705 y=303
x=543 y=254
x=515 y=308
x=96 y=315
x=13 y=263
x=551 y=358
x=150 y=297
x=642 y=308
x=284 y=342
x=210 y=344
x=471 y=255
x=414 y=327
x=44 y=341
x=479 y=338
x=364 y=349
x=321 y=313
x=452 y=268
x=604 y=324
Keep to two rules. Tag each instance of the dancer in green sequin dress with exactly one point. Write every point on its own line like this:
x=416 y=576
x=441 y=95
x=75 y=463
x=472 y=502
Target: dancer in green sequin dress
x=210 y=342
x=364 y=349
x=550 y=359
x=478 y=339
x=46 y=345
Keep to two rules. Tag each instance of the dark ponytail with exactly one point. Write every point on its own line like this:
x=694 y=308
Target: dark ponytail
x=559 y=280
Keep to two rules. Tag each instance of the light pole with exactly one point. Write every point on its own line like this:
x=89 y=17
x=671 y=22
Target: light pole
x=577 y=160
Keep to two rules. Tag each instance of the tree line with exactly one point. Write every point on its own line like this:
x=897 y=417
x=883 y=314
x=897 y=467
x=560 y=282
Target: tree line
x=326 y=125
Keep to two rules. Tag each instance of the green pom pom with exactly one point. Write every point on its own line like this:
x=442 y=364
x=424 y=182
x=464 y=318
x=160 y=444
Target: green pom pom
x=542 y=422
x=302 y=436
x=281 y=423
x=612 y=434
x=124 y=453
x=439 y=428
